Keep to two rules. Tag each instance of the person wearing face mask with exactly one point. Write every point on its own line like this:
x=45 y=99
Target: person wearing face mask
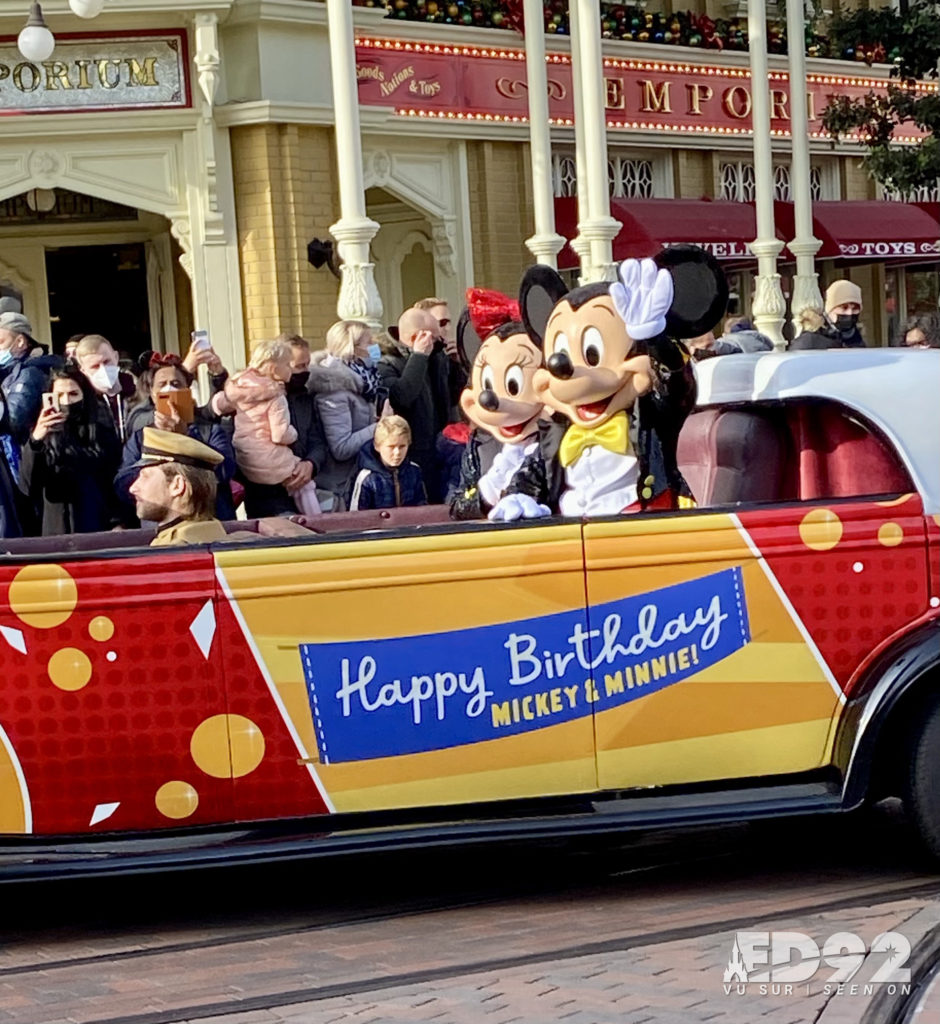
x=264 y=434
x=69 y=461
x=840 y=328
x=97 y=359
x=348 y=396
x=166 y=375
x=266 y=499
x=24 y=373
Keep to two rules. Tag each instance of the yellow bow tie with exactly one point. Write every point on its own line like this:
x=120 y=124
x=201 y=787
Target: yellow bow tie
x=612 y=435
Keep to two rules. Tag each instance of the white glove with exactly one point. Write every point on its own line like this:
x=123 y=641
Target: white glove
x=643 y=299
x=517 y=506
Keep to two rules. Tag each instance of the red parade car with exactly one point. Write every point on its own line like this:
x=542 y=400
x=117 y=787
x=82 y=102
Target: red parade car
x=395 y=677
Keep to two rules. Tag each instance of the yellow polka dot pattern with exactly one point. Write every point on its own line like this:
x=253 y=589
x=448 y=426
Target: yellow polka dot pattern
x=43 y=596
x=890 y=535
x=69 y=668
x=176 y=799
x=101 y=628
x=227 y=746
x=821 y=529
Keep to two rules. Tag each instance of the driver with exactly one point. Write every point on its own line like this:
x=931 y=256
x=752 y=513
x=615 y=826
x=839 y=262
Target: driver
x=176 y=488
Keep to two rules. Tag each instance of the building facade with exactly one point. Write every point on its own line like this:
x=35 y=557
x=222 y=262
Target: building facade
x=167 y=167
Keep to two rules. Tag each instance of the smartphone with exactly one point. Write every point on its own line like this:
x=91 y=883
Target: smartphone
x=181 y=401
x=381 y=397
x=200 y=341
x=50 y=400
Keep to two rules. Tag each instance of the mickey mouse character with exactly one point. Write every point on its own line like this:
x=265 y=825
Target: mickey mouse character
x=619 y=385
x=501 y=472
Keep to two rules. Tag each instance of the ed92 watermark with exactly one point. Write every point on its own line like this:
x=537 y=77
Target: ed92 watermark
x=790 y=963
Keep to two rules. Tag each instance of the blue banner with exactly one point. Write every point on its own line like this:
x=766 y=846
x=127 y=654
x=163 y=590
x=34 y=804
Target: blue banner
x=407 y=695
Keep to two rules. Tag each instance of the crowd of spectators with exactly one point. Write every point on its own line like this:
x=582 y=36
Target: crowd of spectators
x=354 y=426
x=371 y=420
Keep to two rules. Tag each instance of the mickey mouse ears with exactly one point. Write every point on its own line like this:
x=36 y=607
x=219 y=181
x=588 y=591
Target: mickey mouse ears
x=468 y=341
x=700 y=287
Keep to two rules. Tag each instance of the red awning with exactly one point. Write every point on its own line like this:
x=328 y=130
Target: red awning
x=723 y=228
x=870 y=231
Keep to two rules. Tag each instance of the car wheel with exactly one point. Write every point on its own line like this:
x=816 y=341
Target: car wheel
x=922 y=796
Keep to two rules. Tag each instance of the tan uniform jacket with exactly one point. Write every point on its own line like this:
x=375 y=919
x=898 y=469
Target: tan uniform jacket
x=200 y=531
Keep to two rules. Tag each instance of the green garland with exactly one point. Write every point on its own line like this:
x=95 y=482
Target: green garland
x=618 y=21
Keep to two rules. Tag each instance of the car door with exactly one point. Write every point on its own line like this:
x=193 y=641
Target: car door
x=702 y=671
x=415 y=667
x=111 y=671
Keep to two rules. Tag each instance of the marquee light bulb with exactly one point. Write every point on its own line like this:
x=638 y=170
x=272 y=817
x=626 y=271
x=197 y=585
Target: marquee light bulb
x=87 y=8
x=35 y=42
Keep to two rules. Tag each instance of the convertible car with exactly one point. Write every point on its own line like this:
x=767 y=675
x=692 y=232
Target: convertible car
x=394 y=677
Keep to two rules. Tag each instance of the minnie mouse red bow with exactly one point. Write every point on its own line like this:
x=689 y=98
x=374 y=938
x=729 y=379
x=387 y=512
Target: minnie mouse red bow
x=489 y=310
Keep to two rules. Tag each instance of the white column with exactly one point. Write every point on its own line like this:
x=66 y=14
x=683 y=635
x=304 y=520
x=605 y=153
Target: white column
x=579 y=244
x=769 y=305
x=805 y=245
x=546 y=243
x=600 y=228
x=358 y=296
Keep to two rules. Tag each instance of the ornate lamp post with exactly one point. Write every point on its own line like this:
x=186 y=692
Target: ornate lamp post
x=769 y=304
x=804 y=246
x=359 y=297
x=580 y=244
x=546 y=243
x=600 y=229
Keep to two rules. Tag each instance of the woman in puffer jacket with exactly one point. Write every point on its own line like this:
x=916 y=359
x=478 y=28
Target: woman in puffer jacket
x=345 y=387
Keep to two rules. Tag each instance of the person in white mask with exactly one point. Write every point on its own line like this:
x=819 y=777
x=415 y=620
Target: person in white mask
x=99 y=362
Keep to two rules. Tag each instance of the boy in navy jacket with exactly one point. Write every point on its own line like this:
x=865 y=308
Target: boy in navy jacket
x=386 y=479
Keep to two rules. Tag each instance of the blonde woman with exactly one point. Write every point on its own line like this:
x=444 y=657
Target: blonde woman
x=263 y=431
x=348 y=396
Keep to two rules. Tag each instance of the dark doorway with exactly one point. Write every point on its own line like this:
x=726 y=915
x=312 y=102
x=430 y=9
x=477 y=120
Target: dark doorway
x=99 y=289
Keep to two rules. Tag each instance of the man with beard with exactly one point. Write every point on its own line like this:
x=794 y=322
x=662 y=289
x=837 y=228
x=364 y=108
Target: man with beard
x=176 y=488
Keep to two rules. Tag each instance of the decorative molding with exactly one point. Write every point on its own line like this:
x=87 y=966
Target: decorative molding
x=181 y=230
x=207 y=60
x=12 y=275
x=406 y=244
x=45 y=167
x=377 y=168
x=444 y=236
x=545 y=248
x=359 y=298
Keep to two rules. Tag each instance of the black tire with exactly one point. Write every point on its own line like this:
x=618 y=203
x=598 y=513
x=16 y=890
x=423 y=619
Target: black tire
x=922 y=795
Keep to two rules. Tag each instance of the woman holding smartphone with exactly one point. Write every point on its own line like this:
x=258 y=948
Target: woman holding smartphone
x=68 y=463
x=167 y=403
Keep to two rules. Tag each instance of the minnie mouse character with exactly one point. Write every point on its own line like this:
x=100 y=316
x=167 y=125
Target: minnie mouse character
x=501 y=472
x=619 y=384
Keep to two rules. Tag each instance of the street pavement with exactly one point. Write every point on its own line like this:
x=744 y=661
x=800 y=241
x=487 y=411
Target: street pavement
x=677 y=982
x=632 y=930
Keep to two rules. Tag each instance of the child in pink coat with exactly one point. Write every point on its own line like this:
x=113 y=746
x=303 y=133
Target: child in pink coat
x=263 y=431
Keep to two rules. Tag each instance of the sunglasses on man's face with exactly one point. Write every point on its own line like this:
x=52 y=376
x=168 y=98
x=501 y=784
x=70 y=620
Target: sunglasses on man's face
x=444 y=324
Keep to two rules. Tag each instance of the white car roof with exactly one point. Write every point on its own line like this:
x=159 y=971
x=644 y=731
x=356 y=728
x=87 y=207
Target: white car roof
x=897 y=389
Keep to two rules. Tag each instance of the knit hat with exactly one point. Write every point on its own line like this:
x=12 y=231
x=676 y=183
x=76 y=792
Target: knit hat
x=841 y=292
x=16 y=322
